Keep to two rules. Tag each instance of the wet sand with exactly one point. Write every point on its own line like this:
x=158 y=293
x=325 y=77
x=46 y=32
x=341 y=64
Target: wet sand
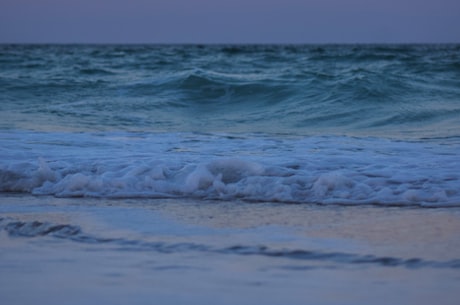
x=203 y=252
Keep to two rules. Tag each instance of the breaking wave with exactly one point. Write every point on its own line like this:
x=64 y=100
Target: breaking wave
x=322 y=170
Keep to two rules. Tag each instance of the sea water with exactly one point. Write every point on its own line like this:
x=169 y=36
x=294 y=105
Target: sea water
x=136 y=150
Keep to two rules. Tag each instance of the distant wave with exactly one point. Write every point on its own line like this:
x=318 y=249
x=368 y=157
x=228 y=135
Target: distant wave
x=398 y=90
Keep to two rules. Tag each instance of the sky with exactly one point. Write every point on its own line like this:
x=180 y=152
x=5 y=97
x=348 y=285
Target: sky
x=229 y=21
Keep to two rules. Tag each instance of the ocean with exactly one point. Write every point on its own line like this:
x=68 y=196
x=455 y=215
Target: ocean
x=230 y=174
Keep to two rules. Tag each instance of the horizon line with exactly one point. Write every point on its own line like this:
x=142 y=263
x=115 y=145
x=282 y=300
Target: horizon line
x=229 y=43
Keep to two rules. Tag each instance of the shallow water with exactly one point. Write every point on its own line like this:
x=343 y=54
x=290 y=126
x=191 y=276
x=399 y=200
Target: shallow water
x=251 y=167
x=176 y=251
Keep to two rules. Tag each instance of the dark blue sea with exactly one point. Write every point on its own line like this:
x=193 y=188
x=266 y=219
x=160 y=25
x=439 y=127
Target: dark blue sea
x=230 y=174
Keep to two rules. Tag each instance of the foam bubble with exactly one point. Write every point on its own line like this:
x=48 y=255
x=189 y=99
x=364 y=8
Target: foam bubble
x=324 y=170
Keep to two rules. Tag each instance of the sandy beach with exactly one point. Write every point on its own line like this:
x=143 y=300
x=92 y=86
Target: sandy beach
x=95 y=251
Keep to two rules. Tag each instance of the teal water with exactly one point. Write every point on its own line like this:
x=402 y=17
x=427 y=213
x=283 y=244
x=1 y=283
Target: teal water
x=383 y=90
x=229 y=174
x=327 y=124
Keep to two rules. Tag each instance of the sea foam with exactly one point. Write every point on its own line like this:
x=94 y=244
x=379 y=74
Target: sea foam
x=322 y=170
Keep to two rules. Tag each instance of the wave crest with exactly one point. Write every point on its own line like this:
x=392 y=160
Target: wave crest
x=235 y=179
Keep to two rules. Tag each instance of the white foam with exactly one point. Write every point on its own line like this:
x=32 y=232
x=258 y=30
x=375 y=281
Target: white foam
x=325 y=170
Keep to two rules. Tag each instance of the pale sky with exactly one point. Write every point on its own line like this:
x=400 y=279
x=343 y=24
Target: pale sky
x=236 y=21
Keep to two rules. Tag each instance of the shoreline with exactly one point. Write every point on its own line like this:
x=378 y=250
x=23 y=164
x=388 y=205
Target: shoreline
x=196 y=252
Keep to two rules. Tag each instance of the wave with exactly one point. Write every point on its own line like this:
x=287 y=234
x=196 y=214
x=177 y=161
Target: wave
x=38 y=228
x=326 y=89
x=35 y=229
x=230 y=179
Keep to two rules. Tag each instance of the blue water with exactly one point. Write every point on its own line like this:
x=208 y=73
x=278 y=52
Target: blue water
x=242 y=174
x=384 y=90
x=329 y=124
